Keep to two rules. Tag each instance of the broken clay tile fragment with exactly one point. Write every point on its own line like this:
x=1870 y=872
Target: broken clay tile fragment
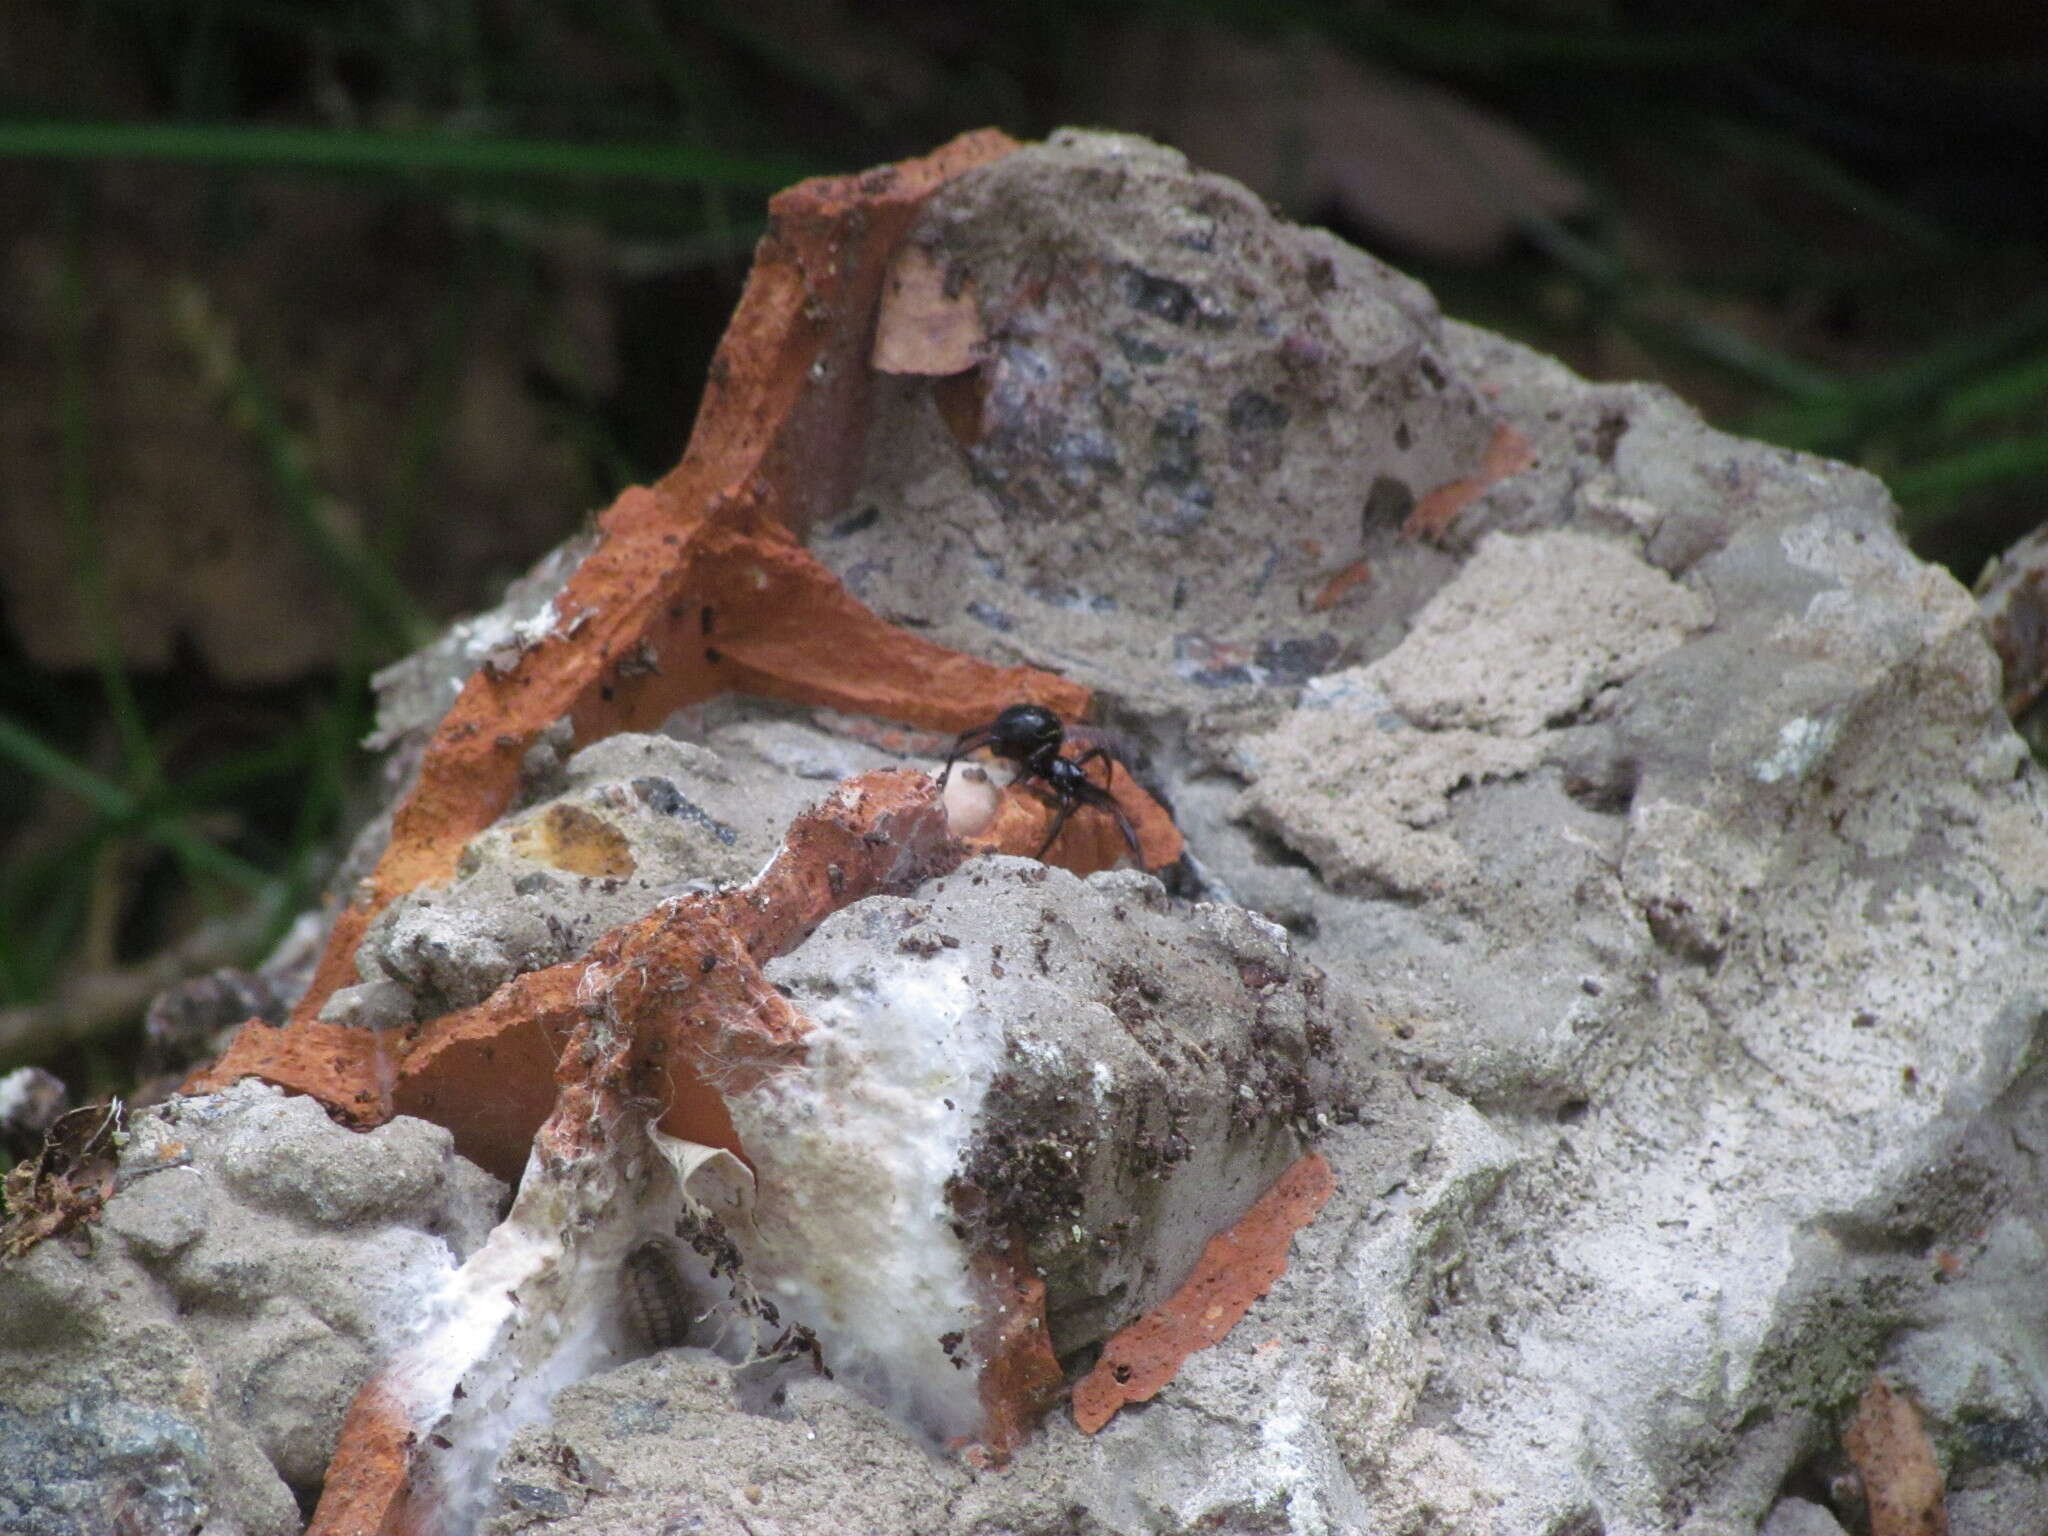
x=1021 y=1379
x=642 y=1010
x=684 y=574
x=1090 y=841
x=1507 y=454
x=347 y=1069
x=706 y=1021
x=695 y=586
x=512 y=1040
x=790 y=630
x=1357 y=574
x=773 y=417
x=1235 y=1270
x=364 y=1491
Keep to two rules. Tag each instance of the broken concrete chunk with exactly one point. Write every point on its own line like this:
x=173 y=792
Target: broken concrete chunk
x=1168 y=436
x=1014 y=1060
x=999 y=1115
x=1659 y=803
x=1573 y=615
x=1360 y=778
x=640 y=818
x=1663 y=804
x=1361 y=796
x=255 y=1263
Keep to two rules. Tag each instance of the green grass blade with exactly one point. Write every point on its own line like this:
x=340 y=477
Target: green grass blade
x=1826 y=177
x=360 y=150
x=117 y=805
x=380 y=597
x=1905 y=394
x=1970 y=469
x=82 y=541
x=2019 y=387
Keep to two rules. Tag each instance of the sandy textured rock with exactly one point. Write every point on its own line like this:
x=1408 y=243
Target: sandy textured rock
x=187 y=1368
x=686 y=1446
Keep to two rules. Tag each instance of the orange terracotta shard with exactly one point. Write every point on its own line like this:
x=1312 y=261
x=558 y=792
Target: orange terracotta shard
x=697 y=585
x=1091 y=840
x=489 y=1073
x=1235 y=1270
x=348 y=1070
x=1020 y=1378
x=706 y=565
x=678 y=990
x=364 y=1491
x=1357 y=574
x=1507 y=454
x=685 y=981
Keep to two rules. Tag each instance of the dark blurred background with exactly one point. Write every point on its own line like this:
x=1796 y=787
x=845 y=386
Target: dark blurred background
x=319 y=319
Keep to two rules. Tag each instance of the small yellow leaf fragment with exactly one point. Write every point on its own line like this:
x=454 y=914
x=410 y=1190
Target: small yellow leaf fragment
x=575 y=841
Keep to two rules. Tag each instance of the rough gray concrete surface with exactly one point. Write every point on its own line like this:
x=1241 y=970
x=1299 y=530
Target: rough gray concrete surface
x=184 y=1365
x=1678 y=889
x=629 y=821
x=1665 y=805
x=1008 y=1055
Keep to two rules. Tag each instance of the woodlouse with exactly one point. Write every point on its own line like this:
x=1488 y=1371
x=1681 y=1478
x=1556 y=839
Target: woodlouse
x=653 y=1297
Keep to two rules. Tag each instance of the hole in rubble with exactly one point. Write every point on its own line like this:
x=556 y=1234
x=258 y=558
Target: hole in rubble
x=1080 y=1360
x=1268 y=848
x=761 y=1387
x=1601 y=781
x=1827 y=1480
x=1303 y=924
x=307 y=1497
x=1135 y=742
x=1586 y=1522
x=1184 y=880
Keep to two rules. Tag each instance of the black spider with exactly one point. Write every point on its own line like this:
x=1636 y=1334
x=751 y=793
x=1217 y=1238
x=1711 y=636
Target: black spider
x=1031 y=736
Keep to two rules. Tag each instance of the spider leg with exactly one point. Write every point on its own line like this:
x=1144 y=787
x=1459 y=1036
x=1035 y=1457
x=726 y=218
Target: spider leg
x=1067 y=804
x=1088 y=792
x=964 y=743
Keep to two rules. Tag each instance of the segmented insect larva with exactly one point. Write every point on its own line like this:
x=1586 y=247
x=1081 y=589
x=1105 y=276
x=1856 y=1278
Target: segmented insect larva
x=653 y=1297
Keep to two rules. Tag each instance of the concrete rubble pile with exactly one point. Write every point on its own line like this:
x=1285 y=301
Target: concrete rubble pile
x=1578 y=1030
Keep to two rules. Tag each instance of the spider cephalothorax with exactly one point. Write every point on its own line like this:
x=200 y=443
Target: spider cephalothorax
x=1031 y=736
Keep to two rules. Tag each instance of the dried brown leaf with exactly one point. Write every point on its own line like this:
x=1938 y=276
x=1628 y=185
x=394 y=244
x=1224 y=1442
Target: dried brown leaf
x=1902 y=1481
x=65 y=1183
